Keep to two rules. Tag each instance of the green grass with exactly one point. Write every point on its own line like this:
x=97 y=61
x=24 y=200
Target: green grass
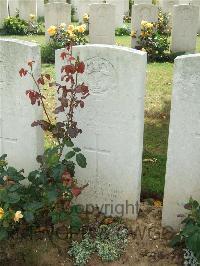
x=40 y=39
x=157 y=111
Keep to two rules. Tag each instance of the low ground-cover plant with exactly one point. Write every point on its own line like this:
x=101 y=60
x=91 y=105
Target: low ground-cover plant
x=123 y=31
x=60 y=37
x=108 y=241
x=47 y=197
x=189 y=236
x=17 y=26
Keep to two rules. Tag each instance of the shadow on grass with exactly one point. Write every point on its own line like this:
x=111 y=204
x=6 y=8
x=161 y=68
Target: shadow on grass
x=155 y=152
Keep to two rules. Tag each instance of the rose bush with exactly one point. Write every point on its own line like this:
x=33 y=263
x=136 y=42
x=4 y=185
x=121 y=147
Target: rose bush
x=47 y=197
x=60 y=37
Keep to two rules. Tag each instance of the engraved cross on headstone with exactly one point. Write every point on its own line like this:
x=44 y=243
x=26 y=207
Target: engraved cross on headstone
x=97 y=151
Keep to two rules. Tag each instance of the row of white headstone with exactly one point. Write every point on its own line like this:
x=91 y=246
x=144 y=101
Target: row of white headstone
x=112 y=123
x=184 y=24
x=25 y=8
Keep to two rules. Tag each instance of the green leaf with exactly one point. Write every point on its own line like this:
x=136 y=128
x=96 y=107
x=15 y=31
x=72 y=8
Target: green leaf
x=77 y=149
x=3 y=195
x=75 y=222
x=69 y=155
x=81 y=160
x=193 y=242
x=175 y=240
x=14 y=187
x=3 y=234
x=28 y=216
x=51 y=156
x=3 y=157
x=13 y=197
x=68 y=143
x=52 y=195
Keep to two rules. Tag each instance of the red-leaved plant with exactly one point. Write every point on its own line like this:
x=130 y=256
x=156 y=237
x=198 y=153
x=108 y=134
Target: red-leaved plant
x=54 y=181
x=47 y=199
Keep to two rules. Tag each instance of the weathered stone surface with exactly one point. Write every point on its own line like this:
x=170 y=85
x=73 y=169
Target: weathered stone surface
x=142 y=12
x=184 y=28
x=3 y=11
x=137 y=2
x=26 y=8
x=182 y=174
x=18 y=139
x=119 y=12
x=126 y=7
x=40 y=8
x=197 y=3
x=167 y=5
x=102 y=24
x=112 y=123
x=13 y=7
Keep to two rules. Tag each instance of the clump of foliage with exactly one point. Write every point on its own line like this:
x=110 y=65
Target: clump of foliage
x=123 y=31
x=127 y=19
x=189 y=235
x=163 y=25
x=60 y=37
x=189 y=258
x=17 y=26
x=153 y=38
x=63 y=36
x=47 y=198
x=82 y=251
x=108 y=241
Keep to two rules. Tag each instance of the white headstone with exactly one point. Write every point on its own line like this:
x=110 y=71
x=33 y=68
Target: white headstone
x=26 y=8
x=126 y=7
x=40 y=8
x=197 y=3
x=113 y=114
x=3 y=11
x=21 y=142
x=119 y=12
x=167 y=5
x=83 y=7
x=142 y=12
x=55 y=14
x=184 y=28
x=58 y=1
x=13 y=7
x=137 y=2
x=102 y=24
x=182 y=174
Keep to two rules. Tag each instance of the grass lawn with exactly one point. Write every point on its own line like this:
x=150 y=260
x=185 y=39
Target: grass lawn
x=157 y=110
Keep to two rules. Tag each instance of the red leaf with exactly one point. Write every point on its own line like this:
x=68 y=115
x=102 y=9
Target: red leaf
x=63 y=55
x=23 y=72
x=30 y=63
x=71 y=58
x=76 y=191
x=44 y=124
x=34 y=96
x=47 y=76
x=59 y=110
x=69 y=69
x=82 y=89
x=81 y=104
x=80 y=67
x=40 y=80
